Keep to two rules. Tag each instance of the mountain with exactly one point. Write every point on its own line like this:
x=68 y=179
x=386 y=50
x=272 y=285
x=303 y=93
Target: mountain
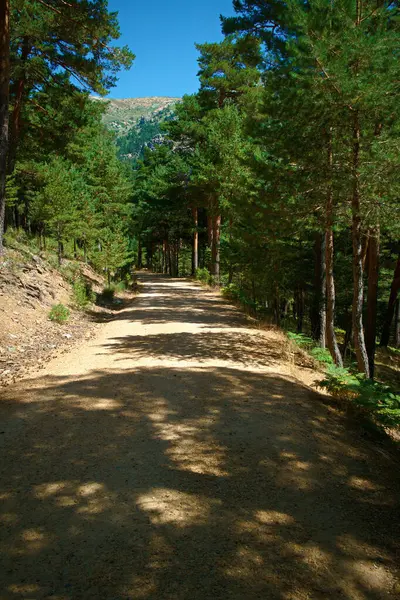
x=122 y=114
x=136 y=122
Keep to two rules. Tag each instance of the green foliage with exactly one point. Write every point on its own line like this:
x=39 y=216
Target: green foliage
x=71 y=44
x=375 y=398
x=107 y=295
x=82 y=293
x=301 y=340
x=146 y=133
x=322 y=355
x=203 y=275
x=70 y=271
x=16 y=238
x=59 y=314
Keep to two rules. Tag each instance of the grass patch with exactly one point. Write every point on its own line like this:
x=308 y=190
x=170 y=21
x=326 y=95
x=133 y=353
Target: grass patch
x=59 y=314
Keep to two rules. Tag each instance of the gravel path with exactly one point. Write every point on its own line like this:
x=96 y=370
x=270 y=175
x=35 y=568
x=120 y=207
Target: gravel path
x=176 y=457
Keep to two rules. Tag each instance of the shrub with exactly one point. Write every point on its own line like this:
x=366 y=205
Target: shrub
x=372 y=396
x=301 y=340
x=203 y=275
x=59 y=313
x=70 y=272
x=121 y=286
x=231 y=292
x=82 y=293
x=108 y=294
x=322 y=355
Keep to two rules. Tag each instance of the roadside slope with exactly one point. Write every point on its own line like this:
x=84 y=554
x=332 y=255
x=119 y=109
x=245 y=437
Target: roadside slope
x=176 y=456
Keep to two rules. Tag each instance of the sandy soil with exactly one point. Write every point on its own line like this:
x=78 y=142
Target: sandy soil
x=177 y=457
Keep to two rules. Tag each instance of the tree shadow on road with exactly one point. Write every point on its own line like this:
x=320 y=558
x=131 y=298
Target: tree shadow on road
x=240 y=347
x=177 y=484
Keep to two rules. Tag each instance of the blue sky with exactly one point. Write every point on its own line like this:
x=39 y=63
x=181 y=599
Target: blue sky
x=162 y=34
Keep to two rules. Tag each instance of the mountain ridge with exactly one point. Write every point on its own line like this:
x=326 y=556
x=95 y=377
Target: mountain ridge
x=124 y=113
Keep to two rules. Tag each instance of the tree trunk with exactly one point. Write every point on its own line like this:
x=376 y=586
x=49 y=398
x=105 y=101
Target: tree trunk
x=215 y=249
x=59 y=249
x=300 y=309
x=347 y=337
x=318 y=309
x=397 y=325
x=358 y=293
x=15 y=121
x=331 y=301
x=139 y=259
x=169 y=263
x=149 y=256
x=230 y=270
x=395 y=287
x=210 y=234
x=4 y=106
x=329 y=257
x=195 y=261
x=277 y=306
x=75 y=250
x=372 y=298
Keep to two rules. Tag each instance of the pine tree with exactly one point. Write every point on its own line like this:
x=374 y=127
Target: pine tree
x=4 y=103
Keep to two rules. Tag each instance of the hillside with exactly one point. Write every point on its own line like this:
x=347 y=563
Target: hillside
x=122 y=114
x=136 y=121
x=31 y=284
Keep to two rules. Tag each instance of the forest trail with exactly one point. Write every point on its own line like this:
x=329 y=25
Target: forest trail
x=175 y=457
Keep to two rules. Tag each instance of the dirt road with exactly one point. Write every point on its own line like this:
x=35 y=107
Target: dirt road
x=175 y=457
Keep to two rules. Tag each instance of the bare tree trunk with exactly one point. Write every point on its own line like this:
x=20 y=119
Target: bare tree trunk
x=215 y=248
x=277 y=306
x=397 y=325
x=394 y=290
x=139 y=259
x=372 y=298
x=59 y=248
x=230 y=274
x=20 y=91
x=329 y=257
x=4 y=106
x=331 y=301
x=358 y=294
x=210 y=233
x=300 y=309
x=347 y=337
x=318 y=307
x=195 y=261
x=168 y=251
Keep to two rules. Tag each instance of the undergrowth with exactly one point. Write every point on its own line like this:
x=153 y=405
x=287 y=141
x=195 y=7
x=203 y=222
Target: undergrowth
x=59 y=313
x=82 y=293
x=372 y=397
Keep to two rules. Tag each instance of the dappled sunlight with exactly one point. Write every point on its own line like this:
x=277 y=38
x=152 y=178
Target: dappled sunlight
x=197 y=467
x=271 y=517
x=90 y=497
x=166 y=506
